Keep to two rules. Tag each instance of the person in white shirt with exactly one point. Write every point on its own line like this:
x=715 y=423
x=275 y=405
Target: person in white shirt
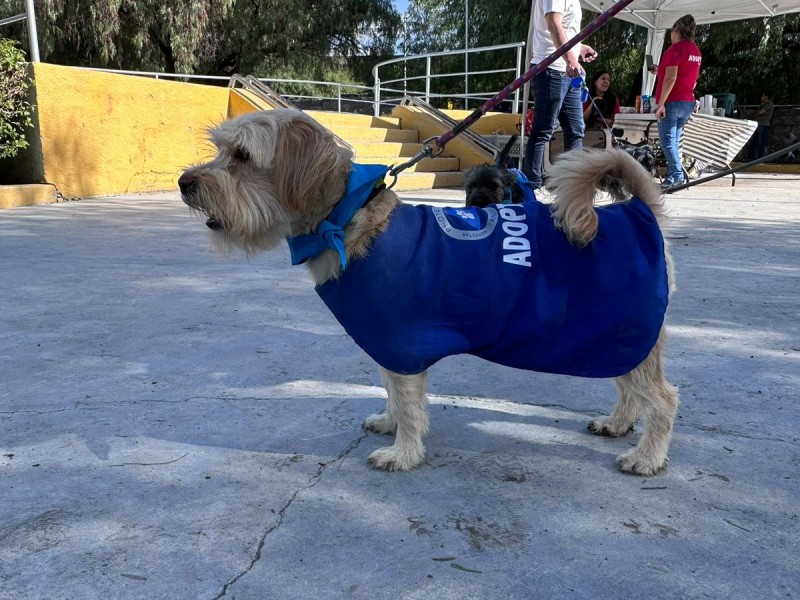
x=555 y=22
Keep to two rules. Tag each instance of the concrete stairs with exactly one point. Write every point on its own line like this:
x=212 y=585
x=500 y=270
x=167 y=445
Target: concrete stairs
x=382 y=140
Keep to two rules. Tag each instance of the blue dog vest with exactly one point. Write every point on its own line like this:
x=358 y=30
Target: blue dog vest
x=503 y=284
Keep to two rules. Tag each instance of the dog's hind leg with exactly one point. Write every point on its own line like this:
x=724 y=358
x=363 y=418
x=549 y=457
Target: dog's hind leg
x=656 y=399
x=406 y=414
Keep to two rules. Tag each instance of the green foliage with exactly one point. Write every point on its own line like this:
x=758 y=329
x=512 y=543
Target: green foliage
x=15 y=111
x=620 y=50
x=211 y=37
x=742 y=57
x=342 y=39
x=749 y=57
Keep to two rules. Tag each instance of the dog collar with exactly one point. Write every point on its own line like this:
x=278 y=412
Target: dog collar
x=364 y=182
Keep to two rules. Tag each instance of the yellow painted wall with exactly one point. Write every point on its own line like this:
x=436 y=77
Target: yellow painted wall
x=105 y=134
x=99 y=134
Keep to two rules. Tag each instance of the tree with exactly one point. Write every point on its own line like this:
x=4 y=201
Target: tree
x=214 y=37
x=15 y=111
x=743 y=57
x=750 y=57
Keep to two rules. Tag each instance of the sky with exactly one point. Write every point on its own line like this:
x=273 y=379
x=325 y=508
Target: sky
x=401 y=5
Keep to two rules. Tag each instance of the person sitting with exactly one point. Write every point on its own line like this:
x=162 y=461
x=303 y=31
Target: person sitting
x=604 y=100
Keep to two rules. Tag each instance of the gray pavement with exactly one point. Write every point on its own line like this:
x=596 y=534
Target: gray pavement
x=178 y=425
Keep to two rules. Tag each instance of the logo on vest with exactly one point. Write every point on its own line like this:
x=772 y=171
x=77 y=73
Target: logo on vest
x=465 y=224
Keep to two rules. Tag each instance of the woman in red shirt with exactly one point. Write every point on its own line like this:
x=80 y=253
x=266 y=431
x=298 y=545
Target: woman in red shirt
x=677 y=76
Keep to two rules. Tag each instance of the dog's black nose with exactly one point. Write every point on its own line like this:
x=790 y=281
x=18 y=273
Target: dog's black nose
x=185 y=182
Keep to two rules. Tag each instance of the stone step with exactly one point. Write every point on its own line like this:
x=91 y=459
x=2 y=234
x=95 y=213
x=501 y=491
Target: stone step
x=386 y=149
x=12 y=196
x=332 y=119
x=355 y=134
x=425 y=181
x=426 y=165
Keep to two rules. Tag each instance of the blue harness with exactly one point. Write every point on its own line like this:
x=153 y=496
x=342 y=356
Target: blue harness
x=523 y=184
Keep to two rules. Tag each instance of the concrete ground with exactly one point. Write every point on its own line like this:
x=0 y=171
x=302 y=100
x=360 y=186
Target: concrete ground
x=177 y=425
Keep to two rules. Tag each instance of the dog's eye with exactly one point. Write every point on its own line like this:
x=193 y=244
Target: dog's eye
x=241 y=155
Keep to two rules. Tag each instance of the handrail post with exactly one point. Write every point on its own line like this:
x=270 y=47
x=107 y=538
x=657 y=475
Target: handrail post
x=339 y=96
x=377 y=111
x=428 y=80
x=33 y=36
x=515 y=110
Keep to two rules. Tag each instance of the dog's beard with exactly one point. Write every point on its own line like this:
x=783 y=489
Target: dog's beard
x=241 y=211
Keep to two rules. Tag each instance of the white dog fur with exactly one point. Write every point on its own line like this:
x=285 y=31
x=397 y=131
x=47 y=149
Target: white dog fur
x=279 y=173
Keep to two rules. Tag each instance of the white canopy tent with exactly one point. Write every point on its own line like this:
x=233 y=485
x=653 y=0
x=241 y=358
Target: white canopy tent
x=658 y=17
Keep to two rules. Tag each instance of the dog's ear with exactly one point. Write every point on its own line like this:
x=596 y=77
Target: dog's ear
x=306 y=160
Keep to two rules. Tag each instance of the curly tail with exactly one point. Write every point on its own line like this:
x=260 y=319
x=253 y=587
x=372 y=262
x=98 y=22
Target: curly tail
x=577 y=175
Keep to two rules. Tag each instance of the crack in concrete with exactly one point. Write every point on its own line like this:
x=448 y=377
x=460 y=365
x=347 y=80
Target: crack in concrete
x=727 y=432
x=311 y=483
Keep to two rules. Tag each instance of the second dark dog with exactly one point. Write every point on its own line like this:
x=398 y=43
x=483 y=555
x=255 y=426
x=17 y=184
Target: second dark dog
x=494 y=184
x=498 y=184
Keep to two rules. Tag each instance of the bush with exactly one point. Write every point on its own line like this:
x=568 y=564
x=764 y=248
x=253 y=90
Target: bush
x=15 y=111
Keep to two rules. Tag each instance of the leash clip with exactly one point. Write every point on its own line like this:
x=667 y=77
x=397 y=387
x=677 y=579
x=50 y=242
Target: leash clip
x=426 y=152
x=428 y=149
x=394 y=175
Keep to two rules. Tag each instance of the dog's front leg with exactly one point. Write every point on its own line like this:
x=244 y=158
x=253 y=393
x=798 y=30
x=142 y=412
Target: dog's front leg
x=407 y=415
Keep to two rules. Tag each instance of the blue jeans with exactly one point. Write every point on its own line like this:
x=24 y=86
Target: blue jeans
x=758 y=145
x=553 y=98
x=670 y=131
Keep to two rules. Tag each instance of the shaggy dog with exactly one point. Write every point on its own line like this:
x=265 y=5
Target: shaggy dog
x=494 y=184
x=566 y=288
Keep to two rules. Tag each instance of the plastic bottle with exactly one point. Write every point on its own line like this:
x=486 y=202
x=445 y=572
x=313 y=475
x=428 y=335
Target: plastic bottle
x=638 y=104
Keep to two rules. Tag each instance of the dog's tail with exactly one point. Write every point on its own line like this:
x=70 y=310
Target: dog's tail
x=574 y=180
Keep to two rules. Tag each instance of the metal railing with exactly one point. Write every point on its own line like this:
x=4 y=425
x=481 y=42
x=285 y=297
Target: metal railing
x=391 y=91
x=476 y=139
x=396 y=94
x=33 y=37
x=274 y=99
x=262 y=90
x=339 y=89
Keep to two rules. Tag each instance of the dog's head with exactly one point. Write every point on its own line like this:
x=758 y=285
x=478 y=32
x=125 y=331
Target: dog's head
x=276 y=173
x=646 y=157
x=643 y=153
x=487 y=184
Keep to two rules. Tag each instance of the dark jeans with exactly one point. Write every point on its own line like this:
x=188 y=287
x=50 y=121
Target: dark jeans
x=758 y=145
x=553 y=99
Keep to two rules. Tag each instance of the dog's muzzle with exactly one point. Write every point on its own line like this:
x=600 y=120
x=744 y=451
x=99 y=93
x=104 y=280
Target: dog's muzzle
x=187 y=184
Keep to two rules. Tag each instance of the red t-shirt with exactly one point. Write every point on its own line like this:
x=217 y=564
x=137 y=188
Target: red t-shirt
x=686 y=56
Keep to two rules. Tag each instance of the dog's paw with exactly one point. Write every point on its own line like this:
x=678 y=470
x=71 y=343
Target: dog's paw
x=397 y=458
x=608 y=427
x=380 y=423
x=636 y=462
